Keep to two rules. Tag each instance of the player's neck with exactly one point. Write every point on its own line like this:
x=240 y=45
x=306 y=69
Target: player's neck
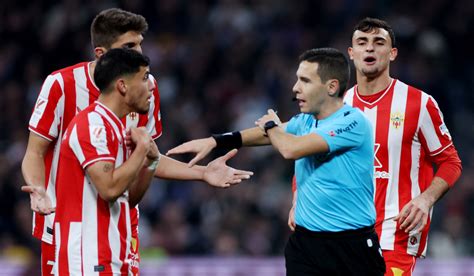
x=369 y=86
x=114 y=103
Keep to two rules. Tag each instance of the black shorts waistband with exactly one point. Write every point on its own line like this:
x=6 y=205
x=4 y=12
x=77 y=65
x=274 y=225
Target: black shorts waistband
x=340 y=234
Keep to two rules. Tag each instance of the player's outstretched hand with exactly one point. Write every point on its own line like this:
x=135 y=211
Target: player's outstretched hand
x=218 y=174
x=39 y=200
x=201 y=147
x=414 y=215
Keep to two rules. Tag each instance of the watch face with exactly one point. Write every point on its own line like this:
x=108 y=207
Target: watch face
x=269 y=125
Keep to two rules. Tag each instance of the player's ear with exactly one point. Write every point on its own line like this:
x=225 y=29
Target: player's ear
x=99 y=51
x=393 y=54
x=349 y=52
x=121 y=86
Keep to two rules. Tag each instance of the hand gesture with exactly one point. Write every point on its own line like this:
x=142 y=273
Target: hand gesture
x=138 y=136
x=414 y=215
x=201 y=147
x=270 y=116
x=218 y=174
x=39 y=200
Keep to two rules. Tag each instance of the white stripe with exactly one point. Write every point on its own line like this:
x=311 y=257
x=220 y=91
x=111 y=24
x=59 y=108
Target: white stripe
x=114 y=235
x=101 y=110
x=74 y=251
x=349 y=96
x=90 y=245
x=43 y=98
x=75 y=145
x=57 y=239
x=98 y=133
x=371 y=114
x=82 y=92
x=395 y=139
x=427 y=127
x=58 y=111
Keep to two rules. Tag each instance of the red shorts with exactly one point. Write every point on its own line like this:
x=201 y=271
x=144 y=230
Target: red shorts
x=398 y=263
x=47 y=259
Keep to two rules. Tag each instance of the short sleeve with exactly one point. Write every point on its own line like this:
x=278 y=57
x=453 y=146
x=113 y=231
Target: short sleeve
x=91 y=140
x=47 y=113
x=435 y=136
x=346 y=132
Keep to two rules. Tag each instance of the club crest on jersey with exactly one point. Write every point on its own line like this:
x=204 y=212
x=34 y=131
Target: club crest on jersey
x=397 y=119
x=133 y=116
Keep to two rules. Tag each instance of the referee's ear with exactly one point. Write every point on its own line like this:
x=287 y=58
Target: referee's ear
x=332 y=86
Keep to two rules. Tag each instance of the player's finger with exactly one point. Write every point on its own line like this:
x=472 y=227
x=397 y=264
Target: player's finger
x=242 y=172
x=409 y=219
x=27 y=189
x=416 y=221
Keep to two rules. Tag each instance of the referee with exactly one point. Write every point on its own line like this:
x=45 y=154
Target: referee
x=333 y=148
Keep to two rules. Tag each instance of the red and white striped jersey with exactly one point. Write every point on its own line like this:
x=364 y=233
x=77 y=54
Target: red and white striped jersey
x=64 y=94
x=409 y=131
x=91 y=234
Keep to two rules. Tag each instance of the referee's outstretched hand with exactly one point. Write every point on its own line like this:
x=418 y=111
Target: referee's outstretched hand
x=201 y=147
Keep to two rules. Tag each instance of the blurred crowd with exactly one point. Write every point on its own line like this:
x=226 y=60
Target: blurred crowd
x=219 y=66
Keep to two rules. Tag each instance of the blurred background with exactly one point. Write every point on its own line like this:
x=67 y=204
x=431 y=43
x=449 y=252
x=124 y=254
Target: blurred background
x=220 y=65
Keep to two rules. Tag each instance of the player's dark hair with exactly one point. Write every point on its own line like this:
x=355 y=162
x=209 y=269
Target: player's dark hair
x=369 y=24
x=117 y=63
x=332 y=64
x=112 y=23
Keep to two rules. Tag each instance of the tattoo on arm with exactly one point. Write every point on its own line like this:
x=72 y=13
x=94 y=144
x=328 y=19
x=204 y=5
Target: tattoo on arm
x=107 y=167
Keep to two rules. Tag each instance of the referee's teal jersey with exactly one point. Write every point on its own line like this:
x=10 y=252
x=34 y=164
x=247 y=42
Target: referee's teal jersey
x=336 y=189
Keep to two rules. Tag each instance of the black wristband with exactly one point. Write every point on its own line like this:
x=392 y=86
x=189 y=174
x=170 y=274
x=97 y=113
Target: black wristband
x=229 y=140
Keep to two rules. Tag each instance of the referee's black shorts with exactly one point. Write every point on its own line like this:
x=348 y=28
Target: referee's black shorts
x=352 y=252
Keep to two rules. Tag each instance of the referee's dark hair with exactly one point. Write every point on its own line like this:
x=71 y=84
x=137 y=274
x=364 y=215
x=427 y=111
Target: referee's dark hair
x=332 y=64
x=117 y=63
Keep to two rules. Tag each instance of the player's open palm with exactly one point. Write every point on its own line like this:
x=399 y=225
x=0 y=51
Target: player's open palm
x=201 y=147
x=414 y=215
x=39 y=200
x=218 y=174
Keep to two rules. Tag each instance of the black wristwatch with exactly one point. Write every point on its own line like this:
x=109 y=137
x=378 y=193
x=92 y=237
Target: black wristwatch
x=269 y=125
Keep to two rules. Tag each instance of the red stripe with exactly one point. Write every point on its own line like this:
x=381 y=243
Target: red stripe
x=381 y=137
x=424 y=238
x=63 y=266
x=103 y=223
x=122 y=227
x=93 y=91
x=70 y=104
x=410 y=124
x=46 y=121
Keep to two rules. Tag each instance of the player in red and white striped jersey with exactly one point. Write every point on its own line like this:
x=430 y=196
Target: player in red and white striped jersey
x=64 y=94
x=410 y=136
x=96 y=177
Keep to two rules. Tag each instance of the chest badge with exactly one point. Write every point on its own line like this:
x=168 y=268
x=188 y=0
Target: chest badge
x=397 y=119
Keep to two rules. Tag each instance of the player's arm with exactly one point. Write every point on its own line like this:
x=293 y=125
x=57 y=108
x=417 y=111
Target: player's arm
x=112 y=182
x=436 y=140
x=216 y=173
x=414 y=215
x=33 y=170
x=291 y=146
x=231 y=140
x=138 y=188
